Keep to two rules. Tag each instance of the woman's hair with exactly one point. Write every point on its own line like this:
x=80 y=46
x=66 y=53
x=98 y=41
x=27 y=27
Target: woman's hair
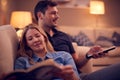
x=24 y=49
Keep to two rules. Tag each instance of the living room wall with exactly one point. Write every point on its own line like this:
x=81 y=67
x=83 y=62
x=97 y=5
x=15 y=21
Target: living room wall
x=73 y=16
x=6 y=7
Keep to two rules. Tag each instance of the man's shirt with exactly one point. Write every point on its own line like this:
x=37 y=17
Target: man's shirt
x=61 y=41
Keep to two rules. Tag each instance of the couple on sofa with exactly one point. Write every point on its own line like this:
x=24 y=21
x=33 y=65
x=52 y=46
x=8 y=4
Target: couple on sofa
x=35 y=47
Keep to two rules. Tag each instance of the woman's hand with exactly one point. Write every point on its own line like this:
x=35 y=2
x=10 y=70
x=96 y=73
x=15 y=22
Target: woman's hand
x=67 y=73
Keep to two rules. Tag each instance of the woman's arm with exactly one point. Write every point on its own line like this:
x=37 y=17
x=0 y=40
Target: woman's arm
x=20 y=63
x=70 y=62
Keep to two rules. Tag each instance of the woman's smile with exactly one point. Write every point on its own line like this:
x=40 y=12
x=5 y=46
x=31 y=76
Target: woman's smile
x=37 y=44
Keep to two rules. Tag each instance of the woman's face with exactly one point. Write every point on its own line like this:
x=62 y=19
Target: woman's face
x=35 y=40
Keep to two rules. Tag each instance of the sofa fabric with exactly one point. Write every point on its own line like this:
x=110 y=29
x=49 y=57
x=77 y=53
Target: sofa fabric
x=8 y=48
x=88 y=36
x=9 y=44
x=85 y=37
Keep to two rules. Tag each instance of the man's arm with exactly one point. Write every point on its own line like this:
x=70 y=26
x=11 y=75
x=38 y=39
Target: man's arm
x=79 y=60
x=82 y=60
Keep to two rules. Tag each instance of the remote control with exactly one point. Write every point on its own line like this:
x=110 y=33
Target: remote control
x=104 y=51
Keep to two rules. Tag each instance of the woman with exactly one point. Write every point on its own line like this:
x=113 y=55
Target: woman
x=35 y=47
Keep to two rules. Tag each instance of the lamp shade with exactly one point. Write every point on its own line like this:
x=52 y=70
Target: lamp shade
x=19 y=19
x=97 y=7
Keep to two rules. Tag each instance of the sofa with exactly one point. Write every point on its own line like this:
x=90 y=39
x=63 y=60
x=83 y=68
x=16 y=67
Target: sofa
x=9 y=41
x=8 y=48
x=9 y=44
x=85 y=37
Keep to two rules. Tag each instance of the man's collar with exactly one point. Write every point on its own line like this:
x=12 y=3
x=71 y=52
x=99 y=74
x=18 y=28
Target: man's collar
x=54 y=30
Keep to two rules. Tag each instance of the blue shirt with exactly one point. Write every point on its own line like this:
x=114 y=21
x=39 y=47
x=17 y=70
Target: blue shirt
x=60 y=57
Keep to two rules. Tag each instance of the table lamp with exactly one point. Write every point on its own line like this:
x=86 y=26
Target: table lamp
x=97 y=8
x=19 y=19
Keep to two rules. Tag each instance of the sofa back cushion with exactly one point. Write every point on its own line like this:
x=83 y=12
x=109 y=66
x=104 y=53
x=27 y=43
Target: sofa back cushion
x=82 y=36
x=8 y=48
x=107 y=37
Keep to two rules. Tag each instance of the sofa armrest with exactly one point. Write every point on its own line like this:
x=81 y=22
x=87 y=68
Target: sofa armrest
x=114 y=53
x=81 y=51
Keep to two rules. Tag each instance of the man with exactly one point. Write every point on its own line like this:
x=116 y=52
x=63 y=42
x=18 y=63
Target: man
x=46 y=13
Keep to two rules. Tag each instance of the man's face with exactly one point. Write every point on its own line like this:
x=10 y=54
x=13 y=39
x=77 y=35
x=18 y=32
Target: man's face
x=50 y=17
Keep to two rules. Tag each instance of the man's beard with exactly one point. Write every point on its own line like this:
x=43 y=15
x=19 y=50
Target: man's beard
x=52 y=26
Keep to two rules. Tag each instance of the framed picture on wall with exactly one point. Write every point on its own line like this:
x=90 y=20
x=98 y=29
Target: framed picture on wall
x=82 y=3
x=74 y=3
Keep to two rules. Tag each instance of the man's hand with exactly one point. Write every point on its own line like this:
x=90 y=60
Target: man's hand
x=93 y=52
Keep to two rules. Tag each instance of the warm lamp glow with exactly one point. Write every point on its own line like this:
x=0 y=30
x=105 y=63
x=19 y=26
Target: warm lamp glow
x=19 y=19
x=97 y=7
x=19 y=33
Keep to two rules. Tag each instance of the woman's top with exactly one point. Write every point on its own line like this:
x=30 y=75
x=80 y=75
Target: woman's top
x=61 y=57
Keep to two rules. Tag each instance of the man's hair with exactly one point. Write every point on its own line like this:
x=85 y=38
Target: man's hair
x=42 y=7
